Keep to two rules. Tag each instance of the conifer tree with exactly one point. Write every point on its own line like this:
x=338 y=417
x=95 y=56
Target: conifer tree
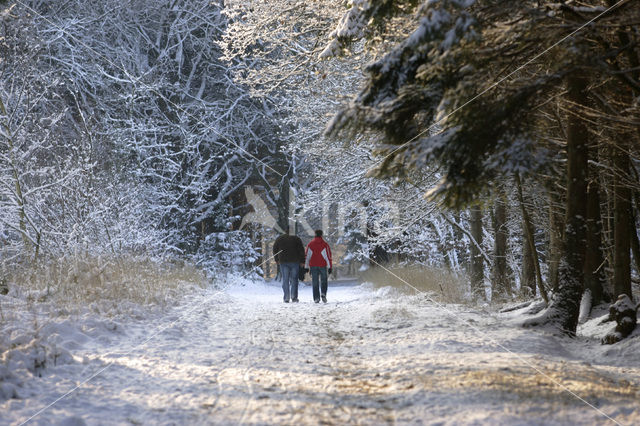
x=467 y=88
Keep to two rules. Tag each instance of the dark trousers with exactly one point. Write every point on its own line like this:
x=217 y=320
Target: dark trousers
x=319 y=273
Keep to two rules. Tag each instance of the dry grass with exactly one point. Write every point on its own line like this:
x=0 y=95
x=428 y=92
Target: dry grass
x=445 y=286
x=86 y=279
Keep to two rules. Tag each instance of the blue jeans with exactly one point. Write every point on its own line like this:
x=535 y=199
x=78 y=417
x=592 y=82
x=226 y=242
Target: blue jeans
x=289 y=273
x=319 y=273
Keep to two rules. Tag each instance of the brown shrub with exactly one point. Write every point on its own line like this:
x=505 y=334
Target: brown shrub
x=84 y=279
x=443 y=285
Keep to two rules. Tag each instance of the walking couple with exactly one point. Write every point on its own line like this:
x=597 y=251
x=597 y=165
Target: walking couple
x=290 y=254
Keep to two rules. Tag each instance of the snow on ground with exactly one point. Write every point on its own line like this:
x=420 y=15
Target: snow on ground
x=241 y=356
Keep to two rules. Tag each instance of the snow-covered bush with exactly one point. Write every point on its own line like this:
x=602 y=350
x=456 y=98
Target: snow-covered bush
x=231 y=251
x=623 y=312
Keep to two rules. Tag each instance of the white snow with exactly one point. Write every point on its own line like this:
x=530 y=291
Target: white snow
x=624 y=303
x=585 y=306
x=241 y=356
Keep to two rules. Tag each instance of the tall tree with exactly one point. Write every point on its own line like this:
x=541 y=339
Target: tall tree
x=594 y=258
x=500 y=279
x=129 y=127
x=477 y=262
x=622 y=223
x=435 y=97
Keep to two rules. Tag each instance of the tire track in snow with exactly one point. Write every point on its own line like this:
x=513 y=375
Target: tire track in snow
x=244 y=363
x=229 y=366
x=352 y=373
x=247 y=374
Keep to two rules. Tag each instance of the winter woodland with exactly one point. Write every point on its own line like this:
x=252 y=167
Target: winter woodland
x=466 y=156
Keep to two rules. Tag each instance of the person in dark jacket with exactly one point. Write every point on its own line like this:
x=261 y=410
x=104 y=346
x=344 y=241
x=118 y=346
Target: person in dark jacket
x=289 y=255
x=318 y=256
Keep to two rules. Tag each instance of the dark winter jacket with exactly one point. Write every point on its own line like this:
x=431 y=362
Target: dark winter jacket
x=291 y=249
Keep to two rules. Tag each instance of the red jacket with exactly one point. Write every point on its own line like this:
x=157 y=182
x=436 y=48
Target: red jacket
x=318 y=253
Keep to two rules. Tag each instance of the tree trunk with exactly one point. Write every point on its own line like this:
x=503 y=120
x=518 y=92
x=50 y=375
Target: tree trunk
x=567 y=302
x=565 y=307
x=528 y=276
x=266 y=253
x=257 y=237
x=621 y=224
x=594 y=278
x=555 y=240
x=477 y=264
x=530 y=241
x=501 y=285
x=607 y=222
x=17 y=184
x=458 y=239
x=283 y=204
x=442 y=247
x=635 y=243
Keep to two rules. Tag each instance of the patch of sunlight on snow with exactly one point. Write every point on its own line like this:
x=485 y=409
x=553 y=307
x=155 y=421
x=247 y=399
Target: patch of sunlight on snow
x=528 y=384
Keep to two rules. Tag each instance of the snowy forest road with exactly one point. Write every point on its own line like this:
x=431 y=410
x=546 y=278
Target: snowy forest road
x=367 y=357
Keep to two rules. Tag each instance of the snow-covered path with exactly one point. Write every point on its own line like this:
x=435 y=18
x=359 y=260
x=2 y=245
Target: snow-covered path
x=367 y=357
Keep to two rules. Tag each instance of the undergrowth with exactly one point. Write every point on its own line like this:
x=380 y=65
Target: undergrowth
x=86 y=279
x=443 y=285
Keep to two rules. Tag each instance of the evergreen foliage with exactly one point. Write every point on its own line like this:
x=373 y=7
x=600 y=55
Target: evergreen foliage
x=470 y=89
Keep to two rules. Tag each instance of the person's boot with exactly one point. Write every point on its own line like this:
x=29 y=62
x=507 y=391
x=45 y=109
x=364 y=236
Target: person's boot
x=324 y=298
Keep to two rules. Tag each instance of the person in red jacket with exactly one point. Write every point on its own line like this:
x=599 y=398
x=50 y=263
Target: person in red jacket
x=318 y=259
